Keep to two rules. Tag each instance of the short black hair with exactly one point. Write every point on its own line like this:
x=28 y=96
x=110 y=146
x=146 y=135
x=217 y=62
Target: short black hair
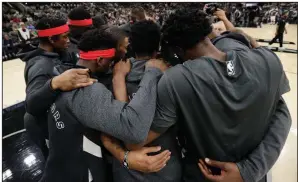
x=99 y=39
x=99 y=21
x=145 y=37
x=79 y=13
x=186 y=27
x=49 y=22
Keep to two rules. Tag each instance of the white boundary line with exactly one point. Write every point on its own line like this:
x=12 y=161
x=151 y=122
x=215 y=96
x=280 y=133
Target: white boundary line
x=269 y=176
x=14 y=133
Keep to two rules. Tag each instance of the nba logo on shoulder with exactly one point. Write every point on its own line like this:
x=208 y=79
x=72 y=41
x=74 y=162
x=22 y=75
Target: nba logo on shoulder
x=230 y=68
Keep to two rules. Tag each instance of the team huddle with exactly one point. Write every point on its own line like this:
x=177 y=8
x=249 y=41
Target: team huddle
x=178 y=102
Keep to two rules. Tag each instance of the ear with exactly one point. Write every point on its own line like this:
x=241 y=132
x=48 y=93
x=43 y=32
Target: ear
x=51 y=40
x=98 y=61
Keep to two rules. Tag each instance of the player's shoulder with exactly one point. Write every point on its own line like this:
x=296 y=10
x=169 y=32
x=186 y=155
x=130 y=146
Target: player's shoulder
x=92 y=92
x=94 y=88
x=175 y=70
x=267 y=54
x=39 y=64
x=263 y=58
x=180 y=70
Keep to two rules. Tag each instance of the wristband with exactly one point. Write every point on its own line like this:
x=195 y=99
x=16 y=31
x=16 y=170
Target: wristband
x=125 y=161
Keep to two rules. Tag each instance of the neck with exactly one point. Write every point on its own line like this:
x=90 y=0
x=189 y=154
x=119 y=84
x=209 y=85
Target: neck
x=87 y=64
x=207 y=49
x=144 y=57
x=46 y=47
x=213 y=52
x=77 y=32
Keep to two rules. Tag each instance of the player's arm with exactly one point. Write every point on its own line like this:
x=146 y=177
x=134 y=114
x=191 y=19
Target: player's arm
x=230 y=27
x=165 y=114
x=137 y=159
x=257 y=164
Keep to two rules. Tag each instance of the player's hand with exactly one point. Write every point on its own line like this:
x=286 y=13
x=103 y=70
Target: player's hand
x=140 y=160
x=221 y=14
x=72 y=79
x=122 y=68
x=229 y=171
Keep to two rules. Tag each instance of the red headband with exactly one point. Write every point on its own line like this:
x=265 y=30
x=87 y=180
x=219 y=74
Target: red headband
x=82 y=23
x=53 y=31
x=91 y=55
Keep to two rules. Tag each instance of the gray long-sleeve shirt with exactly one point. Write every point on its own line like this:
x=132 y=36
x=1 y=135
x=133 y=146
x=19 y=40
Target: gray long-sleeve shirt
x=95 y=108
x=38 y=74
x=257 y=164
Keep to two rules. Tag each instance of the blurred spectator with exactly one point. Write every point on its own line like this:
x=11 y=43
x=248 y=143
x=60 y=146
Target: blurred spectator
x=121 y=14
x=6 y=27
x=23 y=32
x=7 y=41
x=31 y=27
x=16 y=20
x=8 y=49
x=99 y=21
x=29 y=18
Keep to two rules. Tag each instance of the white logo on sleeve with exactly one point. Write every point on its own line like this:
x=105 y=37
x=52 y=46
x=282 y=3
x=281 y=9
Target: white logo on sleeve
x=60 y=125
x=56 y=116
x=230 y=68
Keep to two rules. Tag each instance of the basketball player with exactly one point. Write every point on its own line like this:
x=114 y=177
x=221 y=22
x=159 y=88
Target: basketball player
x=94 y=107
x=215 y=99
x=42 y=86
x=145 y=38
x=79 y=21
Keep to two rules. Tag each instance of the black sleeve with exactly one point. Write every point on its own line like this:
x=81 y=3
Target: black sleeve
x=39 y=94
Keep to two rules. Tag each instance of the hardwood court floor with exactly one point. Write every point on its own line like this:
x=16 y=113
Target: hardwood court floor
x=285 y=168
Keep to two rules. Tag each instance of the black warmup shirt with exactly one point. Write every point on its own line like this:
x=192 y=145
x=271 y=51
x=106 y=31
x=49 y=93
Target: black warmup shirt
x=38 y=74
x=222 y=108
x=73 y=51
x=281 y=26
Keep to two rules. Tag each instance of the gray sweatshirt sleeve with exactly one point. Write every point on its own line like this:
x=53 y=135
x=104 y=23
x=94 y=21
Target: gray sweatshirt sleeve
x=260 y=161
x=95 y=107
x=39 y=93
